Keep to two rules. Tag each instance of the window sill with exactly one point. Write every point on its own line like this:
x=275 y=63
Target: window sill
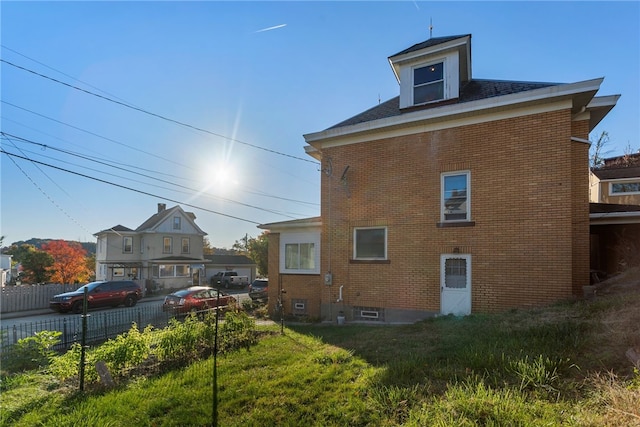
x=456 y=224
x=369 y=261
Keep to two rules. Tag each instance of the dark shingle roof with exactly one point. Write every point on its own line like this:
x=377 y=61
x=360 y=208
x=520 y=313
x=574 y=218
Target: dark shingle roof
x=428 y=43
x=471 y=91
x=618 y=173
x=611 y=208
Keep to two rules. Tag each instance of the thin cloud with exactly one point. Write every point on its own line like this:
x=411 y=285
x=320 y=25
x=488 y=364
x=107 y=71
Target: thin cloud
x=275 y=27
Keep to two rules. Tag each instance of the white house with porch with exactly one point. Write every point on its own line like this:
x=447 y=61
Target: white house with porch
x=164 y=252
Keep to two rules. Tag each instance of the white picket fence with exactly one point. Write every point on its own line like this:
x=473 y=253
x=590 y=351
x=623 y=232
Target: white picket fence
x=30 y=297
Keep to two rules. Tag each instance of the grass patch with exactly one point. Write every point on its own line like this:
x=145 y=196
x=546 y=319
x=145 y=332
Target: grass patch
x=561 y=365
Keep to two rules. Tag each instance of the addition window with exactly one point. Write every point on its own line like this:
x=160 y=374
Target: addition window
x=370 y=243
x=185 y=245
x=624 y=188
x=300 y=256
x=428 y=83
x=127 y=244
x=455 y=196
x=167 y=245
x=177 y=223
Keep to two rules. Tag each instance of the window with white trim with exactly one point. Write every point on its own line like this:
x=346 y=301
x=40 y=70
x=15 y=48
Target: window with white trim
x=624 y=188
x=185 y=245
x=370 y=243
x=171 y=270
x=428 y=83
x=167 y=245
x=300 y=256
x=177 y=223
x=300 y=252
x=455 y=196
x=127 y=244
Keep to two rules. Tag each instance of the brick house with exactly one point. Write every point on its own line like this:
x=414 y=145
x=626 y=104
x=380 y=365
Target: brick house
x=165 y=251
x=460 y=195
x=614 y=192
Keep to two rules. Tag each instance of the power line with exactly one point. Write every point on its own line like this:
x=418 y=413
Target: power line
x=124 y=104
x=104 y=163
x=127 y=188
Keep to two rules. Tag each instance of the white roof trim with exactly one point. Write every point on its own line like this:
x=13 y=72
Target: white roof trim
x=483 y=105
x=576 y=139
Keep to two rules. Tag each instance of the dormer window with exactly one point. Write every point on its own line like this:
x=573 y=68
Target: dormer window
x=428 y=83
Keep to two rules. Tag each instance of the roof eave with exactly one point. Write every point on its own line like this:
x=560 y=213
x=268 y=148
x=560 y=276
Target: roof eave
x=587 y=89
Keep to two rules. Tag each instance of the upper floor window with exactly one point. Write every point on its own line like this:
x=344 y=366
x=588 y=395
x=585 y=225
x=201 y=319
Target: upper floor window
x=127 y=244
x=455 y=196
x=177 y=223
x=428 y=83
x=185 y=245
x=370 y=243
x=167 y=245
x=142 y=245
x=622 y=188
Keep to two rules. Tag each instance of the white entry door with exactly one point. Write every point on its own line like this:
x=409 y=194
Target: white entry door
x=455 y=284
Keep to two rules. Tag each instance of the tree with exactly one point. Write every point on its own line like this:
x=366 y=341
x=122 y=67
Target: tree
x=207 y=249
x=36 y=266
x=597 y=154
x=69 y=264
x=258 y=250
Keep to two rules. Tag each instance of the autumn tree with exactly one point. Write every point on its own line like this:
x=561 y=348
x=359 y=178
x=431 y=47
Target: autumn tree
x=69 y=261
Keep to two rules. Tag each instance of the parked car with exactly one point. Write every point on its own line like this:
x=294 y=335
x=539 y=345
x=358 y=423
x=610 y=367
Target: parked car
x=258 y=290
x=99 y=294
x=196 y=299
x=229 y=279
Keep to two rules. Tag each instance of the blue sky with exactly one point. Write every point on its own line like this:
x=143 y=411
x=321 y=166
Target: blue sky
x=231 y=87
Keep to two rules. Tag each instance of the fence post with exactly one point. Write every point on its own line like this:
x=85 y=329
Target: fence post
x=15 y=334
x=106 y=328
x=64 y=333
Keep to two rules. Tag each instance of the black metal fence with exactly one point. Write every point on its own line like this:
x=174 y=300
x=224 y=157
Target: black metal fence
x=101 y=326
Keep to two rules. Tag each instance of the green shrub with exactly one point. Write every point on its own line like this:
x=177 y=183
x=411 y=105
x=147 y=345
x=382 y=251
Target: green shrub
x=32 y=352
x=125 y=351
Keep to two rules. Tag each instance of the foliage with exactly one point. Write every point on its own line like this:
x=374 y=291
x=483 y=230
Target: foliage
x=596 y=159
x=32 y=352
x=126 y=350
x=258 y=249
x=36 y=265
x=69 y=263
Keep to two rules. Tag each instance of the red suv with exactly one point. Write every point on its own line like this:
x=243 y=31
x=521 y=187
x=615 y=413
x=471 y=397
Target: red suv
x=99 y=294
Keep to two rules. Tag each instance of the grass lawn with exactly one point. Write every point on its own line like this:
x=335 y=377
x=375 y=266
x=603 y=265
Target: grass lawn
x=559 y=365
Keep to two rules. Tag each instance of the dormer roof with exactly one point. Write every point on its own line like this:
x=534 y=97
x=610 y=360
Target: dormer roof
x=436 y=46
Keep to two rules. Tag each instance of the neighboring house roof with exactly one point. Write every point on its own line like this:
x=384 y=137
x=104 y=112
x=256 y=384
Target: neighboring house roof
x=159 y=217
x=115 y=229
x=471 y=91
x=596 y=208
x=611 y=213
x=619 y=172
x=229 y=260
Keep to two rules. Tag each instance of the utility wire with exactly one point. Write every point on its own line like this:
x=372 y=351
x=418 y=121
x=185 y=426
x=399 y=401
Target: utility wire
x=127 y=188
x=9 y=136
x=124 y=104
